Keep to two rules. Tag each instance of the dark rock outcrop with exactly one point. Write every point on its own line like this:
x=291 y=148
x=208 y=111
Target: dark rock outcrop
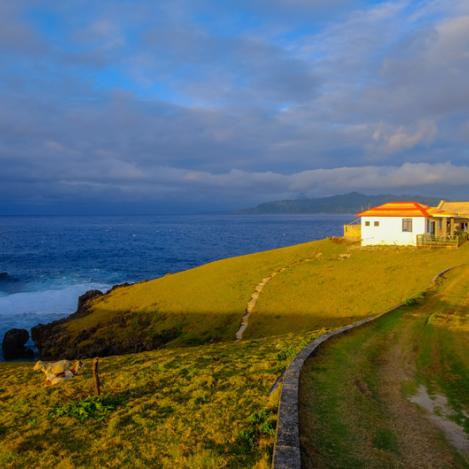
x=127 y=332
x=45 y=336
x=10 y=284
x=84 y=302
x=51 y=338
x=5 y=277
x=119 y=285
x=13 y=344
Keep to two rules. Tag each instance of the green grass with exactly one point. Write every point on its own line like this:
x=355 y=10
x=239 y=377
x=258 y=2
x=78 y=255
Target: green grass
x=343 y=422
x=91 y=407
x=202 y=400
x=205 y=304
x=198 y=407
x=334 y=292
x=354 y=394
x=443 y=359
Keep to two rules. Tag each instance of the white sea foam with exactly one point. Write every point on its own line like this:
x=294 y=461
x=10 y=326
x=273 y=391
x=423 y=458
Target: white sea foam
x=26 y=309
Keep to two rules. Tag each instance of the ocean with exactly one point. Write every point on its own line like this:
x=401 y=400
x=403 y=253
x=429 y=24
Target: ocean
x=47 y=262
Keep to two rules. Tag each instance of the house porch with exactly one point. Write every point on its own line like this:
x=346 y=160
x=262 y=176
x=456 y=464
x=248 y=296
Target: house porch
x=445 y=231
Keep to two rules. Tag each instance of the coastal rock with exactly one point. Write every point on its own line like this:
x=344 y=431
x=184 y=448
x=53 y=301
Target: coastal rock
x=46 y=336
x=126 y=333
x=84 y=300
x=7 y=278
x=52 y=339
x=13 y=344
x=119 y=285
x=10 y=284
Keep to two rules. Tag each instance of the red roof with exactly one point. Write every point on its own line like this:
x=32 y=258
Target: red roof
x=397 y=209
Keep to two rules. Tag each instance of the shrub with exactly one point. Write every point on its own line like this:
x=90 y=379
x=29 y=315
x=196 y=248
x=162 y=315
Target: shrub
x=96 y=407
x=261 y=423
x=415 y=300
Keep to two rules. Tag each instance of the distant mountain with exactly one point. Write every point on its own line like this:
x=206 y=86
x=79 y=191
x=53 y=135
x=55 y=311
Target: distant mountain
x=343 y=203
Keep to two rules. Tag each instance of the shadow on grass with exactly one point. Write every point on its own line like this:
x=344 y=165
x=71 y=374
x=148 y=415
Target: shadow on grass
x=129 y=332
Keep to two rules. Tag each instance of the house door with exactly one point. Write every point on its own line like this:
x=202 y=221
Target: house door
x=431 y=227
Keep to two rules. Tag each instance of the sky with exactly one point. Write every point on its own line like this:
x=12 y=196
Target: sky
x=135 y=106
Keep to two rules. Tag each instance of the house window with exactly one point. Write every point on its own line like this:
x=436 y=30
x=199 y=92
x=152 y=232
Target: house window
x=407 y=225
x=367 y=223
x=376 y=223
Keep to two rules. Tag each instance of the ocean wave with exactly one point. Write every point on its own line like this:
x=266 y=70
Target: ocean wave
x=26 y=309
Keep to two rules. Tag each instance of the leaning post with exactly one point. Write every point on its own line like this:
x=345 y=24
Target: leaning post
x=97 y=383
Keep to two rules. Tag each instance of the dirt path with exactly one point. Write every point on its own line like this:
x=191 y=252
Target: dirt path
x=257 y=292
x=420 y=443
x=364 y=399
x=253 y=301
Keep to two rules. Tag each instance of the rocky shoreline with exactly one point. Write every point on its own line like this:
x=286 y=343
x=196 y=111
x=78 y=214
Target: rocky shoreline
x=50 y=339
x=45 y=335
x=14 y=345
x=125 y=332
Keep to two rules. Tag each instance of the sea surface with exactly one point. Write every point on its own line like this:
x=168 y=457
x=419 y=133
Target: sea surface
x=47 y=262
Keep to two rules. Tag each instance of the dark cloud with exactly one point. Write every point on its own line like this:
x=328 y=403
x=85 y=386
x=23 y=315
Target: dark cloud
x=16 y=37
x=111 y=104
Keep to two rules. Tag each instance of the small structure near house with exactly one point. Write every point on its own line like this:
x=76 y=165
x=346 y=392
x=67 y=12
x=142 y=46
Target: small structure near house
x=449 y=219
x=415 y=224
x=353 y=231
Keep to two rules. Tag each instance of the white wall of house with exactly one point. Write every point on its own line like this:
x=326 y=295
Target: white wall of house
x=388 y=230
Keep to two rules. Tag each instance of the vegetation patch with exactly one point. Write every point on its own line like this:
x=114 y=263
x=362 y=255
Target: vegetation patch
x=261 y=424
x=374 y=423
x=386 y=440
x=203 y=400
x=197 y=407
x=96 y=407
x=327 y=283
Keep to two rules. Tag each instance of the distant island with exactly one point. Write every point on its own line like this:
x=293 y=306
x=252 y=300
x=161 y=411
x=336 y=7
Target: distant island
x=338 y=204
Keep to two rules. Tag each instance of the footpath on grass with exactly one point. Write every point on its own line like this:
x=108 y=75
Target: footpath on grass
x=257 y=293
x=394 y=393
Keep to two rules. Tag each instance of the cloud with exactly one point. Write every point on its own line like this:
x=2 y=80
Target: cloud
x=16 y=38
x=232 y=103
x=157 y=183
x=404 y=138
x=407 y=177
x=224 y=70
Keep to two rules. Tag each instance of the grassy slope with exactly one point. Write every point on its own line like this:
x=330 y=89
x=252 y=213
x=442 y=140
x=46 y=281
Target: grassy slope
x=205 y=304
x=201 y=406
x=330 y=291
x=204 y=406
x=354 y=406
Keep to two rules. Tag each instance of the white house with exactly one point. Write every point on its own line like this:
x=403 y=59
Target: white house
x=412 y=224
x=395 y=223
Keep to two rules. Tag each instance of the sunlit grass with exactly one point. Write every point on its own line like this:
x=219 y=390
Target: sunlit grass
x=203 y=400
x=333 y=291
x=205 y=406
x=206 y=304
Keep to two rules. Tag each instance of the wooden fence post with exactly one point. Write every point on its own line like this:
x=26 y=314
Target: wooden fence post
x=97 y=383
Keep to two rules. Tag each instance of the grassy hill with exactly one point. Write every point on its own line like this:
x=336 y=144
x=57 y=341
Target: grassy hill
x=199 y=407
x=325 y=283
x=202 y=399
x=394 y=393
